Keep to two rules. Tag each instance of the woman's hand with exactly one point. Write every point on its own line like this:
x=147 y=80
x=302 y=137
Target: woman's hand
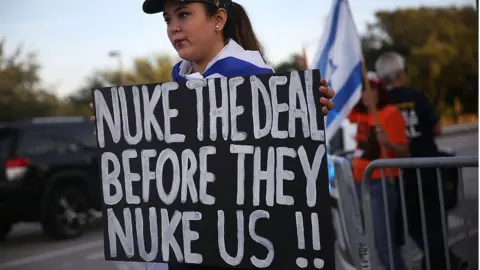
x=401 y=150
x=92 y=118
x=329 y=94
x=382 y=137
x=368 y=99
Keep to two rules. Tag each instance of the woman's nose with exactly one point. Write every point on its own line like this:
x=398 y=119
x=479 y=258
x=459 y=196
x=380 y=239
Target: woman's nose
x=174 y=27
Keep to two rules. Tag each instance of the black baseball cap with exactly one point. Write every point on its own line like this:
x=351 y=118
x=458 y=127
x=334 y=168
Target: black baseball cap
x=156 y=6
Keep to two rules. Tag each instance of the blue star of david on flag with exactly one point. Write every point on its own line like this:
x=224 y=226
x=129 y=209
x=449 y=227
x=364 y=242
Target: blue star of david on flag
x=339 y=59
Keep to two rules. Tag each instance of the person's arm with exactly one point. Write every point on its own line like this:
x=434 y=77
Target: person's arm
x=394 y=137
x=401 y=150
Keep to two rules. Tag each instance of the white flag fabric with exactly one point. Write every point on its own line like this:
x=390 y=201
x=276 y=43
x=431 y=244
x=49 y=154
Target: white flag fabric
x=339 y=59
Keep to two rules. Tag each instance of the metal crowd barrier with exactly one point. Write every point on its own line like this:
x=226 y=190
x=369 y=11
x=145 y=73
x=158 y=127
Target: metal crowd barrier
x=351 y=244
x=419 y=166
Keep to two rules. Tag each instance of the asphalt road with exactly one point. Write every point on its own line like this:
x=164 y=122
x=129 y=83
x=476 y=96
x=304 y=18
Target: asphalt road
x=27 y=249
x=463 y=221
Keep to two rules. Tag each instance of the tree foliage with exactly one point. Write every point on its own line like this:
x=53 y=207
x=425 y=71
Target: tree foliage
x=287 y=66
x=144 y=71
x=440 y=45
x=21 y=94
x=441 y=48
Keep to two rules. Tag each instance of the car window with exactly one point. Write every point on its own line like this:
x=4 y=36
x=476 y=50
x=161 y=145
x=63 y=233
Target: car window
x=79 y=132
x=84 y=133
x=57 y=137
x=36 y=143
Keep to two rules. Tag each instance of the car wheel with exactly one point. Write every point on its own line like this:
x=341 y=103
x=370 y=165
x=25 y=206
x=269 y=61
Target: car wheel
x=5 y=228
x=66 y=213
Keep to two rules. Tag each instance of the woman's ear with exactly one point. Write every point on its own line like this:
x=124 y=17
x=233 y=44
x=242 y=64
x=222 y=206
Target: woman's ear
x=220 y=19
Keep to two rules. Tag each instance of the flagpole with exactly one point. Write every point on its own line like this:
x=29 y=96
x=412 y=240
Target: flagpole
x=372 y=108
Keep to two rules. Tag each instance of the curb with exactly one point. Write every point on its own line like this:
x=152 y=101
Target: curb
x=458 y=129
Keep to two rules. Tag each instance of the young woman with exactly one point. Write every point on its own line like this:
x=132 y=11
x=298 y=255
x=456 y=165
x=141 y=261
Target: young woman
x=215 y=39
x=391 y=135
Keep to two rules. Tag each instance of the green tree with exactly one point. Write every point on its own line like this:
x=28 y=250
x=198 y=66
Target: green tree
x=288 y=65
x=144 y=71
x=441 y=47
x=21 y=93
x=79 y=101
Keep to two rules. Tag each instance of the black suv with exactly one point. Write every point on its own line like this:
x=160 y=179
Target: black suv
x=49 y=173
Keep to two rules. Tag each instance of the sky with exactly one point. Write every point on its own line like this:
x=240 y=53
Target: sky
x=73 y=38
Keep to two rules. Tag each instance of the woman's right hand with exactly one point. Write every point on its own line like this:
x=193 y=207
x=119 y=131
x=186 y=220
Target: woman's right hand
x=92 y=118
x=368 y=99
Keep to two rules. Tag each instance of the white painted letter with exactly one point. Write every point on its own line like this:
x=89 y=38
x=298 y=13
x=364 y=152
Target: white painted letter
x=170 y=113
x=103 y=113
x=295 y=90
x=198 y=85
x=132 y=140
x=129 y=176
x=233 y=261
x=189 y=236
x=311 y=172
x=235 y=110
x=277 y=108
x=254 y=216
x=218 y=112
x=189 y=167
x=149 y=119
x=168 y=239
x=268 y=176
x=162 y=158
x=257 y=85
x=152 y=221
x=282 y=175
x=115 y=230
x=317 y=135
x=147 y=175
x=206 y=176
x=111 y=178
x=241 y=150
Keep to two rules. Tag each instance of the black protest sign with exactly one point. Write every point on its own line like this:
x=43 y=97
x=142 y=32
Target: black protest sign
x=228 y=172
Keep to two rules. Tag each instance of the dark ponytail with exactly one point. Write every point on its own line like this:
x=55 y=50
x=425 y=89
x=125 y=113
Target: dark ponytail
x=239 y=28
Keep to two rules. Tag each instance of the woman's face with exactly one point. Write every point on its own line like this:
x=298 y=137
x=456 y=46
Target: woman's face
x=370 y=98
x=191 y=32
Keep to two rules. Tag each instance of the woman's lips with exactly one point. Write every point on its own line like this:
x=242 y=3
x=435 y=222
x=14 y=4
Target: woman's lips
x=179 y=43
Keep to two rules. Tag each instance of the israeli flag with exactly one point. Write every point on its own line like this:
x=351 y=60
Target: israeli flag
x=339 y=59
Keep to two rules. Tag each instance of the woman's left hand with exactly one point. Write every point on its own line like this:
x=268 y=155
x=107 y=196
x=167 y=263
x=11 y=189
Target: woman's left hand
x=328 y=95
x=382 y=137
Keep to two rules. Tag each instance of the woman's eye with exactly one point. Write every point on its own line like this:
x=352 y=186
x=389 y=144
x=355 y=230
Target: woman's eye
x=167 y=20
x=182 y=15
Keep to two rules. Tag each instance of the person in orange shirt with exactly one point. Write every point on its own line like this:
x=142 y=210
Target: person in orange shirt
x=391 y=135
